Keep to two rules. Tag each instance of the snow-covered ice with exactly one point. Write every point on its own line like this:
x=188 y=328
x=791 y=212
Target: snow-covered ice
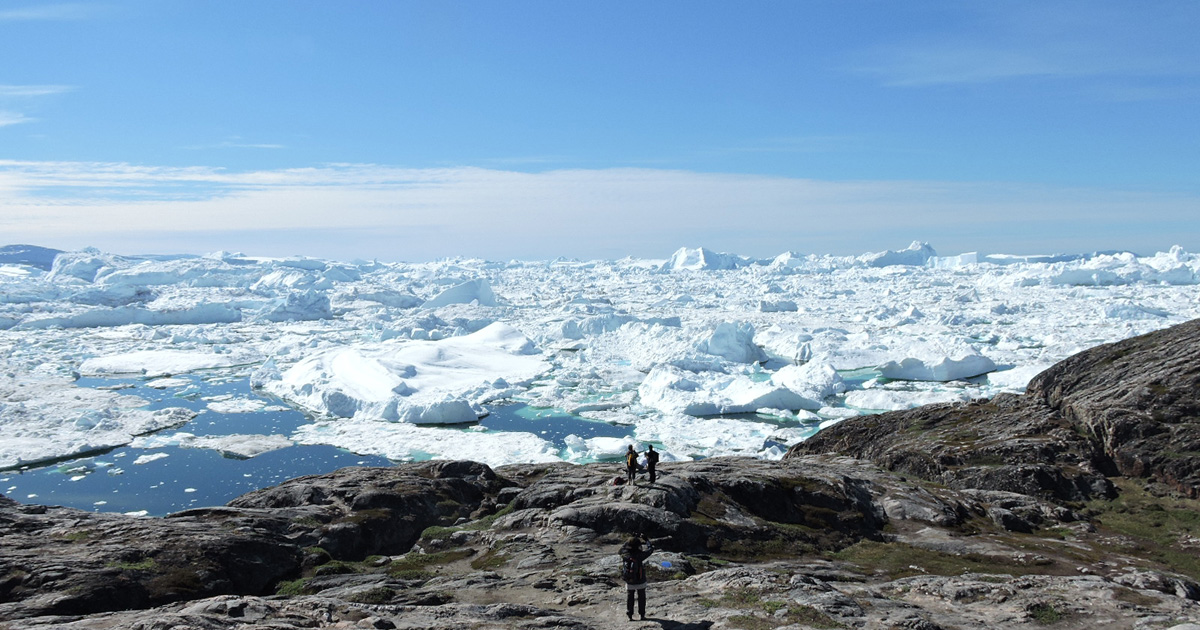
x=701 y=353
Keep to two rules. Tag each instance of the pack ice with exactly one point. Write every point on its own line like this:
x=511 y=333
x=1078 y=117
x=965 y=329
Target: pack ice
x=701 y=353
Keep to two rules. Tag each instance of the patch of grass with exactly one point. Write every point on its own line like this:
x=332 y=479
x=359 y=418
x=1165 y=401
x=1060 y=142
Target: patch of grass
x=145 y=564
x=438 y=532
x=306 y=521
x=338 y=567
x=809 y=616
x=377 y=595
x=740 y=598
x=897 y=560
x=364 y=516
x=417 y=575
x=772 y=606
x=1152 y=526
x=706 y=602
x=1137 y=598
x=414 y=566
x=77 y=536
x=293 y=588
x=1046 y=614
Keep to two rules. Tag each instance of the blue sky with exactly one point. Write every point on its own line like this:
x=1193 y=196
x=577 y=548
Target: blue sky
x=415 y=130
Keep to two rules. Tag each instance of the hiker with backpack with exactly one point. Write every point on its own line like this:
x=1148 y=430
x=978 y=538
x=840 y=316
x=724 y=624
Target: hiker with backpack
x=631 y=464
x=633 y=571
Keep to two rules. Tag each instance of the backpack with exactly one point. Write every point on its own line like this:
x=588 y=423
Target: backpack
x=632 y=570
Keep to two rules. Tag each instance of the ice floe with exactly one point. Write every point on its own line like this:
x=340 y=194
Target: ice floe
x=379 y=354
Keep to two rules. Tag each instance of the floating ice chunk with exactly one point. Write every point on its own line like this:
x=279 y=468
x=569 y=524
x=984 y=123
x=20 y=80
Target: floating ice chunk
x=777 y=306
x=814 y=381
x=125 y=315
x=917 y=254
x=702 y=259
x=479 y=290
x=166 y=362
x=599 y=448
x=1016 y=379
x=235 y=445
x=891 y=399
x=413 y=381
x=686 y=438
x=939 y=360
x=146 y=459
x=1129 y=311
x=674 y=391
x=734 y=342
x=297 y=306
x=167 y=383
x=237 y=405
x=404 y=442
x=44 y=419
x=266 y=373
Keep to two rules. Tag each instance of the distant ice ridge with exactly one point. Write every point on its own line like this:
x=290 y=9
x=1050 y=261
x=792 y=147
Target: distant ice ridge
x=381 y=354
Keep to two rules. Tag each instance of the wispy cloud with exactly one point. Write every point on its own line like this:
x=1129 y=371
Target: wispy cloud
x=13 y=118
x=23 y=91
x=1118 y=44
x=233 y=144
x=63 y=11
x=364 y=210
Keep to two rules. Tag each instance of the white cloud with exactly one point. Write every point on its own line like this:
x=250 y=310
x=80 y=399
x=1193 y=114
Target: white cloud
x=7 y=91
x=65 y=11
x=350 y=210
x=13 y=118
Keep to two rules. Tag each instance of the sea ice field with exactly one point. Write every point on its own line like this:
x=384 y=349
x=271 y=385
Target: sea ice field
x=151 y=384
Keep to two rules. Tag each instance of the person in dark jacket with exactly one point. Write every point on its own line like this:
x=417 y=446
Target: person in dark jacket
x=633 y=571
x=651 y=460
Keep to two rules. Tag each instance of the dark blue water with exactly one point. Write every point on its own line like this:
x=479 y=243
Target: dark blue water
x=196 y=477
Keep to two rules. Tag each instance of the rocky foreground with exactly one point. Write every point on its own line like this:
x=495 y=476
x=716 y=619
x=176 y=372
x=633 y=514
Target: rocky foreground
x=1075 y=505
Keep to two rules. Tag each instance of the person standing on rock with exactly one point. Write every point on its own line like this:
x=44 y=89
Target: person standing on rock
x=651 y=461
x=631 y=464
x=633 y=571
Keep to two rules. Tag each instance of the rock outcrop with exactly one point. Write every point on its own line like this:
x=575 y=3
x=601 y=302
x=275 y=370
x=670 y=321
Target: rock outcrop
x=1130 y=408
x=1073 y=506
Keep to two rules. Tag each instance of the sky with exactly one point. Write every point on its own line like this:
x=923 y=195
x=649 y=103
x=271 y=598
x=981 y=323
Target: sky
x=531 y=130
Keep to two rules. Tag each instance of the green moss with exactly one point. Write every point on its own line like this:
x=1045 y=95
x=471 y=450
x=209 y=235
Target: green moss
x=338 y=567
x=144 y=564
x=77 y=536
x=377 y=595
x=772 y=606
x=1150 y=527
x=293 y=588
x=364 y=516
x=809 y=616
x=438 y=532
x=897 y=560
x=414 y=566
x=1046 y=614
x=307 y=521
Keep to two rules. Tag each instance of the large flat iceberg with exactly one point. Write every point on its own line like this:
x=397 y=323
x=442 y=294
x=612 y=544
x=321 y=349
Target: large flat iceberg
x=427 y=382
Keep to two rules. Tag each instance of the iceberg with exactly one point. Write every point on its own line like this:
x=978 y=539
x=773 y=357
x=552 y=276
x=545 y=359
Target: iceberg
x=917 y=254
x=478 y=291
x=939 y=360
x=432 y=382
